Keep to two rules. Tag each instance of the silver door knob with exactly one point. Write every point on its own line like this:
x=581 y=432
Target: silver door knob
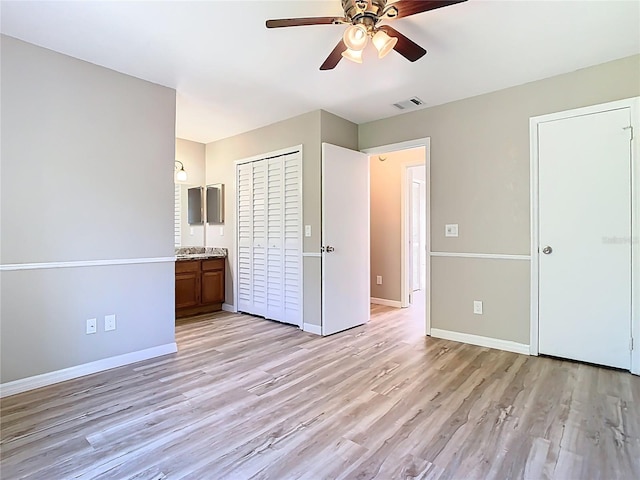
x=330 y=248
x=547 y=250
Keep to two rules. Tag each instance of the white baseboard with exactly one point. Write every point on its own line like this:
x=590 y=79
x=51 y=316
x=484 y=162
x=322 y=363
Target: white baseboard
x=228 y=308
x=45 y=379
x=315 y=329
x=490 y=342
x=385 y=302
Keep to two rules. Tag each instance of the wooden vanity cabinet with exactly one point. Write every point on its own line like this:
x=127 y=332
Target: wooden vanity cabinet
x=199 y=286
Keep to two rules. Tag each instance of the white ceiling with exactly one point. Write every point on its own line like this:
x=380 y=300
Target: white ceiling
x=233 y=75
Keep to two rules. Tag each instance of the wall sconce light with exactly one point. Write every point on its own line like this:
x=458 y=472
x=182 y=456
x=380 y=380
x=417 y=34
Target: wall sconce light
x=181 y=176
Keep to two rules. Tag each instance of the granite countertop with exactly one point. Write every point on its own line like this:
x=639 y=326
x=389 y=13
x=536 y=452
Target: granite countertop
x=199 y=253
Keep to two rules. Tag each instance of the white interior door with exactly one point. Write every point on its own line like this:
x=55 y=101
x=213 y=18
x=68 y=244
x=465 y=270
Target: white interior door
x=345 y=239
x=244 y=183
x=274 y=212
x=292 y=238
x=584 y=238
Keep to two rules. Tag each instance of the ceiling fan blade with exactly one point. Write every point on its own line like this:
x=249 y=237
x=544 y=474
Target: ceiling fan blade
x=334 y=57
x=297 y=22
x=407 y=8
x=405 y=47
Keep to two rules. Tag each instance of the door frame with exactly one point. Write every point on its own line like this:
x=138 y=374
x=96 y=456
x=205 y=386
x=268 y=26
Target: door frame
x=405 y=192
x=534 y=122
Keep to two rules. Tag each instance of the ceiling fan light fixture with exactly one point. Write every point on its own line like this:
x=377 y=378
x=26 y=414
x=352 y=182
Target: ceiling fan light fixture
x=355 y=37
x=383 y=43
x=353 y=55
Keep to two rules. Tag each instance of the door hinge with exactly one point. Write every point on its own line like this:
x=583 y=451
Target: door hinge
x=631 y=344
x=630 y=128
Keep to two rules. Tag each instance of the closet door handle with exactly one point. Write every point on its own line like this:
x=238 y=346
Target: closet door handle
x=330 y=248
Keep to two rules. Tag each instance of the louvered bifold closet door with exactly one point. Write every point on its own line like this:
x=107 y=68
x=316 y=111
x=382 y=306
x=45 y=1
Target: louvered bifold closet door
x=270 y=238
x=259 y=258
x=245 y=237
x=292 y=238
x=275 y=227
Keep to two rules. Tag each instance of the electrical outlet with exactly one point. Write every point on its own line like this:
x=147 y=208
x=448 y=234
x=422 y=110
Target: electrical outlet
x=307 y=230
x=379 y=280
x=222 y=231
x=92 y=325
x=477 y=307
x=109 y=323
x=451 y=230
x=191 y=231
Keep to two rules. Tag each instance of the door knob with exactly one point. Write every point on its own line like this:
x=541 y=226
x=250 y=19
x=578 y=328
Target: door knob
x=330 y=248
x=547 y=250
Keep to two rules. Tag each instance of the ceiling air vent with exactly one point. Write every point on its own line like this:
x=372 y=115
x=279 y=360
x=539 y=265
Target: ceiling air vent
x=413 y=102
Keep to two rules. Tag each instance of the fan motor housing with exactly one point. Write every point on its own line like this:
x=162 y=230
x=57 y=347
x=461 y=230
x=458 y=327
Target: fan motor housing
x=356 y=10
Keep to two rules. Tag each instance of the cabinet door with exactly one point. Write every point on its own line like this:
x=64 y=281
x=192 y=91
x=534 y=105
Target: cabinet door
x=213 y=287
x=187 y=289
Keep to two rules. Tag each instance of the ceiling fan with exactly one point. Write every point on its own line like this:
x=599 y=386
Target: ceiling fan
x=364 y=17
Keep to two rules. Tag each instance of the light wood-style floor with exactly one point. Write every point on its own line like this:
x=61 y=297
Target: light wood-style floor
x=248 y=398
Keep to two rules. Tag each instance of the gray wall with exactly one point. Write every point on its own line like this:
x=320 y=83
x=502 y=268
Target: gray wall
x=87 y=161
x=308 y=130
x=338 y=131
x=480 y=180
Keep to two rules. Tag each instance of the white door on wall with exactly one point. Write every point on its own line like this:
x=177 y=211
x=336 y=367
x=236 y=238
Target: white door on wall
x=345 y=239
x=274 y=210
x=244 y=186
x=584 y=238
x=270 y=237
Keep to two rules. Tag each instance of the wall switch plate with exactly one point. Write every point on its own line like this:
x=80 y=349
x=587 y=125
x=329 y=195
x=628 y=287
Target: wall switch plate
x=451 y=230
x=477 y=307
x=379 y=280
x=109 y=323
x=307 y=230
x=222 y=231
x=92 y=325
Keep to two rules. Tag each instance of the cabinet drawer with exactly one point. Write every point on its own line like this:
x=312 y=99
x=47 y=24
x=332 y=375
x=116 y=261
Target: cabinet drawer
x=185 y=266
x=213 y=264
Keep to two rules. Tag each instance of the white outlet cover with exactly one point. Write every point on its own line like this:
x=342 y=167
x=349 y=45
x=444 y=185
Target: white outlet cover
x=307 y=230
x=222 y=231
x=109 y=323
x=477 y=307
x=451 y=230
x=92 y=325
x=379 y=279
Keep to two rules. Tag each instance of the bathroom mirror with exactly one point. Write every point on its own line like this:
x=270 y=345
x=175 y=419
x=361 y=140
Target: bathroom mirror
x=186 y=235
x=215 y=203
x=194 y=210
